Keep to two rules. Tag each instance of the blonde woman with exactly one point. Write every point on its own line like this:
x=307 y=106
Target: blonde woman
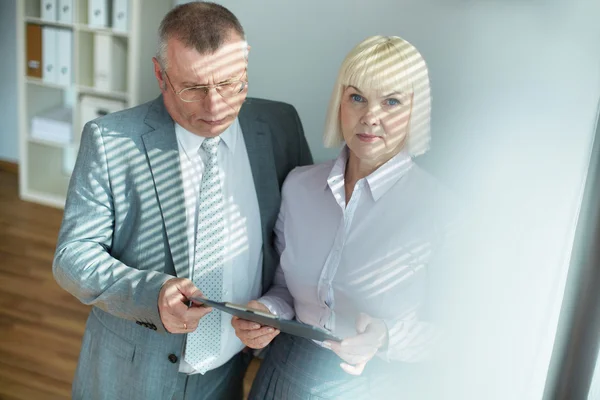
x=356 y=237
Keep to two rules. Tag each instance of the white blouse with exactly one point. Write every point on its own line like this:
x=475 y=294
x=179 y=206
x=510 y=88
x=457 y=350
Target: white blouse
x=372 y=255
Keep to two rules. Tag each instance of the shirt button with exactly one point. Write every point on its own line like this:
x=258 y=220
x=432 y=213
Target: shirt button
x=173 y=358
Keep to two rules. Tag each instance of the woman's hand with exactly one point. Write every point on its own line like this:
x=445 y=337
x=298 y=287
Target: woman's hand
x=253 y=334
x=357 y=350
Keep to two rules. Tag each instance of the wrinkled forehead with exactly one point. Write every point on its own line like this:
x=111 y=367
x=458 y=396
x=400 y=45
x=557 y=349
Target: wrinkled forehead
x=228 y=59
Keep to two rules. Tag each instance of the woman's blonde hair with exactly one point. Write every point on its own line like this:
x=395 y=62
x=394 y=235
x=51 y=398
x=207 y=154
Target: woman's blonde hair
x=387 y=64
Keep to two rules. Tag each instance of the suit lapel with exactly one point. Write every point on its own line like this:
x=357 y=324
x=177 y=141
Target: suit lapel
x=257 y=137
x=163 y=158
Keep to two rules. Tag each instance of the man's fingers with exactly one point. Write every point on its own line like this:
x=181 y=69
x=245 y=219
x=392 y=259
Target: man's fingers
x=173 y=325
x=178 y=308
x=257 y=333
x=261 y=341
x=175 y=295
x=188 y=289
x=244 y=325
x=195 y=313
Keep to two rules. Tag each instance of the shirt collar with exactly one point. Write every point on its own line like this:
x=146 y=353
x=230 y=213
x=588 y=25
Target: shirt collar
x=191 y=142
x=335 y=181
x=379 y=181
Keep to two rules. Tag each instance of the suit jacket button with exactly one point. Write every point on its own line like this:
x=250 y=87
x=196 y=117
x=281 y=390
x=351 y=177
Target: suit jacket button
x=173 y=358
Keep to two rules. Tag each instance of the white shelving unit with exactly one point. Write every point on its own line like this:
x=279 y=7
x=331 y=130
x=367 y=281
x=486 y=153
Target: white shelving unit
x=43 y=175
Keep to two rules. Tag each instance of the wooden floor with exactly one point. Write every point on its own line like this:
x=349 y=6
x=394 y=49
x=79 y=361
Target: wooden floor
x=41 y=325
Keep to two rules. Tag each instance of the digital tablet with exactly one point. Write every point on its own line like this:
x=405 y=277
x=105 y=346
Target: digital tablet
x=292 y=327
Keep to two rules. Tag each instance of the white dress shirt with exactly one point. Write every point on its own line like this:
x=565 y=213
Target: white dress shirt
x=243 y=244
x=372 y=255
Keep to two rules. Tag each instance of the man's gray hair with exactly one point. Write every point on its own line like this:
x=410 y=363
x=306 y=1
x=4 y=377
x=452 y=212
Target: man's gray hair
x=204 y=26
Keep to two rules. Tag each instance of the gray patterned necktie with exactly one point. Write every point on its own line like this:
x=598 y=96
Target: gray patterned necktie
x=203 y=346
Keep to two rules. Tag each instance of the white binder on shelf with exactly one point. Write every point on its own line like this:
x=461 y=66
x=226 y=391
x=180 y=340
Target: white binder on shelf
x=48 y=10
x=65 y=57
x=120 y=15
x=49 y=55
x=99 y=13
x=65 y=11
x=110 y=63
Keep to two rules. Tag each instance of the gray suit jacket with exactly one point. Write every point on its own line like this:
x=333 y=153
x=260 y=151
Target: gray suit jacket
x=123 y=236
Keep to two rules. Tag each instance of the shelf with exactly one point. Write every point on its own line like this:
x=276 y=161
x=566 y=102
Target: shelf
x=45 y=172
x=105 y=31
x=48 y=143
x=32 y=9
x=39 y=21
x=111 y=95
x=43 y=97
x=41 y=82
x=122 y=77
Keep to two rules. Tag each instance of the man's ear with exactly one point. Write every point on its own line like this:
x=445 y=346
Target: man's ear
x=158 y=73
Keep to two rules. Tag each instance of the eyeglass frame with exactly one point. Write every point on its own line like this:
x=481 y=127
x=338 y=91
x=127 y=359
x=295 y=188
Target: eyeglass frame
x=206 y=88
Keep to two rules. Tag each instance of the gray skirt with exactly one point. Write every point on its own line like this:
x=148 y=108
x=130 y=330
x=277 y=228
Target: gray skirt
x=298 y=369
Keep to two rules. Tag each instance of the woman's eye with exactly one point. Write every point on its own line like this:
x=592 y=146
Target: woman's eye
x=356 y=98
x=392 y=102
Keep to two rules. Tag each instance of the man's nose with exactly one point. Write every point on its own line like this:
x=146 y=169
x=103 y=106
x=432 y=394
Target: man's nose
x=213 y=102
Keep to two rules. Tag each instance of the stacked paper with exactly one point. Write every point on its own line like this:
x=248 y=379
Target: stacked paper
x=55 y=125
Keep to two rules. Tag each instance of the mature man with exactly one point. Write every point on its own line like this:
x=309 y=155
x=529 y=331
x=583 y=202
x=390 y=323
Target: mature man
x=174 y=199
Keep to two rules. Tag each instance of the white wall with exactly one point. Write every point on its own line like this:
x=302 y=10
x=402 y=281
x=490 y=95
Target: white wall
x=516 y=86
x=9 y=138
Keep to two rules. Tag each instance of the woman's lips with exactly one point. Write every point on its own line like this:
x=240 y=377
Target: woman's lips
x=365 y=137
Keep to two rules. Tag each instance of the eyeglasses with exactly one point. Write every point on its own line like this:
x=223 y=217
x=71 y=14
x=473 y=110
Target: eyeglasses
x=198 y=93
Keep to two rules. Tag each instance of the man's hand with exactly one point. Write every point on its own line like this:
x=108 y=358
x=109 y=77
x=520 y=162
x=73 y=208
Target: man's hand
x=175 y=314
x=357 y=350
x=251 y=333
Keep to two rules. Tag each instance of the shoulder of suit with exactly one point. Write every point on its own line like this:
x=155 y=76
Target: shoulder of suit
x=129 y=117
